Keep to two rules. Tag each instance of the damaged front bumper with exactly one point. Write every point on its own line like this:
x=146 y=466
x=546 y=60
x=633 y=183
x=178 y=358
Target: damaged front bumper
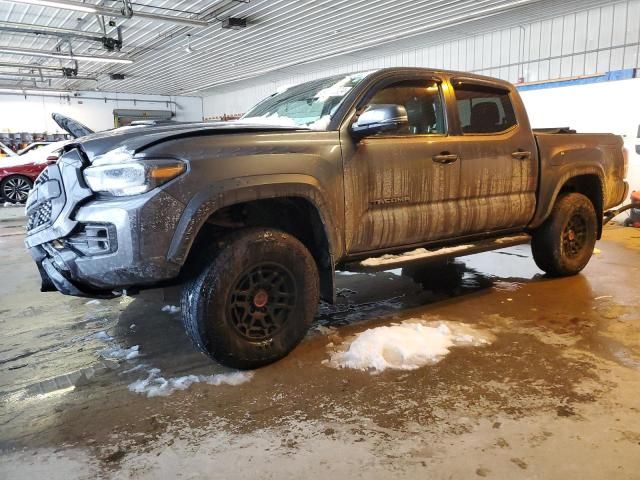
x=94 y=247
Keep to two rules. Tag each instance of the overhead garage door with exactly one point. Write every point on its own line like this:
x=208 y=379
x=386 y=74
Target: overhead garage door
x=123 y=117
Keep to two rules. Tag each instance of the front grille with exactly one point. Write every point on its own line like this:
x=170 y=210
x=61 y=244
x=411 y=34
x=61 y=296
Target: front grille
x=40 y=216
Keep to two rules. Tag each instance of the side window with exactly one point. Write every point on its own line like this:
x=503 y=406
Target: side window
x=422 y=101
x=483 y=109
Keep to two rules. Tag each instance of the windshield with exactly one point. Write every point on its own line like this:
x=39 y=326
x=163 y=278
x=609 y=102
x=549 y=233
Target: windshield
x=308 y=105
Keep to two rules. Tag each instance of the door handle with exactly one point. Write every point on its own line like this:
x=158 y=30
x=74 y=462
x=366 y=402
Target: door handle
x=445 y=157
x=521 y=155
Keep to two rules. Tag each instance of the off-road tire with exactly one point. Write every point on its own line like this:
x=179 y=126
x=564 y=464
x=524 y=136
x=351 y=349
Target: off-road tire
x=249 y=259
x=564 y=243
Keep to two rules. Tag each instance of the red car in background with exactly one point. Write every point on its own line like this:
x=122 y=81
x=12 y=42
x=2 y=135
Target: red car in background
x=17 y=174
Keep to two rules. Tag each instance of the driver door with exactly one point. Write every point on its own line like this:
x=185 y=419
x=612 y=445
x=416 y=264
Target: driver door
x=401 y=185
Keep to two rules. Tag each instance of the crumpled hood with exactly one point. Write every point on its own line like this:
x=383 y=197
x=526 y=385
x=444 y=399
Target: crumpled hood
x=136 y=139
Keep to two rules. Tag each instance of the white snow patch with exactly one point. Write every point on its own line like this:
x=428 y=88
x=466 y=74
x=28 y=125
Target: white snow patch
x=93 y=302
x=506 y=286
x=597 y=251
x=104 y=336
x=119 y=353
x=347 y=273
x=322 y=330
x=171 y=309
x=273 y=119
x=408 y=345
x=155 y=385
x=9 y=204
x=411 y=255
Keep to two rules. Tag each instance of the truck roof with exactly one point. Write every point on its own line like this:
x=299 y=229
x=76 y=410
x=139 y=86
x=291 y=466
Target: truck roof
x=448 y=74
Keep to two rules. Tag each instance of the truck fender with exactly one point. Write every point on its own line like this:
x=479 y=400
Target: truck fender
x=560 y=180
x=244 y=189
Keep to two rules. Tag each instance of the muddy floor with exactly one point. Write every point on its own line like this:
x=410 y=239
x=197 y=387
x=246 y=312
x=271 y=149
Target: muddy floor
x=555 y=395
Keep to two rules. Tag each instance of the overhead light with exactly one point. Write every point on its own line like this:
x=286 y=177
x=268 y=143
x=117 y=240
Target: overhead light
x=79 y=7
x=116 y=12
x=63 y=56
x=234 y=23
x=188 y=48
x=27 y=91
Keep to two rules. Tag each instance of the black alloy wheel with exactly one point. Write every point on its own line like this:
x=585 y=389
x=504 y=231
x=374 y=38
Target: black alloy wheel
x=262 y=300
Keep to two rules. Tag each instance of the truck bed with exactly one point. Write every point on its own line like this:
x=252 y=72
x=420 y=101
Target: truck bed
x=561 y=150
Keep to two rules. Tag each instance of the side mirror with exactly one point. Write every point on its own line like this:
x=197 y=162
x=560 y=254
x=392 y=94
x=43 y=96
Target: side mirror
x=379 y=118
x=52 y=159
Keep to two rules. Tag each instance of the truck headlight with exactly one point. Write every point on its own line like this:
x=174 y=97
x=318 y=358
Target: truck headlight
x=131 y=177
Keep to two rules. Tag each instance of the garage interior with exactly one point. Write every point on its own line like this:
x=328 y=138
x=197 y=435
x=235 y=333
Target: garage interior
x=549 y=391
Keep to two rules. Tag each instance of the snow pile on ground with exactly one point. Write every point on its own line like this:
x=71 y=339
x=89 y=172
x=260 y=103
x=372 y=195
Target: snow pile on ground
x=170 y=309
x=506 y=286
x=9 y=204
x=104 y=336
x=155 y=385
x=92 y=302
x=411 y=255
x=120 y=353
x=409 y=345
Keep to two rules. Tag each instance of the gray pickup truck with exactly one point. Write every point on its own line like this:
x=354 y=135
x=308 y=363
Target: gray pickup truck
x=370 y=170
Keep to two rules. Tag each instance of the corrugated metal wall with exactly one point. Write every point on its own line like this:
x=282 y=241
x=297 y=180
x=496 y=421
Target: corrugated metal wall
x=586 y=42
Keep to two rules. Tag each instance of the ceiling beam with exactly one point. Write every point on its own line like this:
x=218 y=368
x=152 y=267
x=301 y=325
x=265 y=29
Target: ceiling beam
x=14 y=27
x=44 y=76
x=115 y=12
x=62 y=56
x=31 y=66
x=26 y=90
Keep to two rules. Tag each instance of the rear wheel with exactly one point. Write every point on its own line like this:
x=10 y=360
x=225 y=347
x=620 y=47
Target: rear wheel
x=254 y=299
x=16 y=188
x=564 y=244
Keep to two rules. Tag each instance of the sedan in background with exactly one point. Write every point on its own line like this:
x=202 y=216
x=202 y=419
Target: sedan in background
x=18 y=174
x=33 y=146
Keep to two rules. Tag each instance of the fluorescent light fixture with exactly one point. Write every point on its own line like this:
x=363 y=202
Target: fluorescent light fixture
x=115 y=12
x=63 y=56
x=29 y=91
x=65 y=5
x=101 y=59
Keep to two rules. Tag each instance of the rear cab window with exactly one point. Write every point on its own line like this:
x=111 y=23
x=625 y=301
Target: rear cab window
x=483 y=109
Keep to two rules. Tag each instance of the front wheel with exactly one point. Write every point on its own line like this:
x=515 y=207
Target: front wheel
x=254 y=299
x=15 y=188
x=563 y=245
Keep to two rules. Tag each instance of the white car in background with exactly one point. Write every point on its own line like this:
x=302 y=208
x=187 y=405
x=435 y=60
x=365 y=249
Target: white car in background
x=33 y=146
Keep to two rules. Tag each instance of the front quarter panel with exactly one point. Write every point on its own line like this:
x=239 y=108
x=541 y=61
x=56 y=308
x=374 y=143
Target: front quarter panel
x=229 y=169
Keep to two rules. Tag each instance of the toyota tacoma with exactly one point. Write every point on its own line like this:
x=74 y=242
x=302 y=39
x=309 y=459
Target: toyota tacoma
x=370 y=170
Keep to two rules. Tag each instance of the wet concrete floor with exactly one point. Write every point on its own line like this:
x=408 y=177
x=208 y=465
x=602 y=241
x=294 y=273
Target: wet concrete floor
x=556 y=395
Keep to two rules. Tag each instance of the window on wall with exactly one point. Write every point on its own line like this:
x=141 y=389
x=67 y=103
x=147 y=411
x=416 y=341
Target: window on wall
x=422 y=101
x=483 y=109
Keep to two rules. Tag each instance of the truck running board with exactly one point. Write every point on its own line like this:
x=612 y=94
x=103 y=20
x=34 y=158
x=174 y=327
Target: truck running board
x=423 y=255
